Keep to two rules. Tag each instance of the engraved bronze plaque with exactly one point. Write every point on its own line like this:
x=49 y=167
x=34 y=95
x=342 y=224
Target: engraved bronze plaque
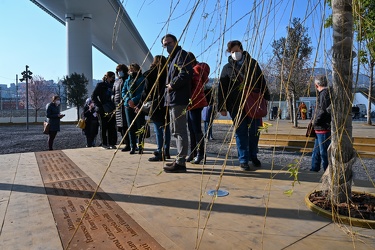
x=105 y=226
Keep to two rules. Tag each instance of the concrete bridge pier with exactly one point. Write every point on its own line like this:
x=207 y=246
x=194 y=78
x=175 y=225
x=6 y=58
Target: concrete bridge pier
x=79 y=46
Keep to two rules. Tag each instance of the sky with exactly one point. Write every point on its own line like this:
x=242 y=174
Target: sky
x=32 y=37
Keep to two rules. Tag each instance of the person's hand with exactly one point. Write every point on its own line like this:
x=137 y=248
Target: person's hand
x=224 y=113
x=136 y=110
x=169 y=87
x=131 y=103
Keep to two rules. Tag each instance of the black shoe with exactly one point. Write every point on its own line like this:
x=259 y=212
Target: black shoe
x=175 y=168
x=190 y=158
x=246 y=167
x=198 y=160
x=256 y=163
x=155 y=158
x=104 y=146
x=132 y=151
x=126 y=149
x=112 y=147
x=211 y=139
x=140 y=150
x=169 y=164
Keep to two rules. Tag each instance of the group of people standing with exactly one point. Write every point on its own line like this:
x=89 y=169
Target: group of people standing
x=175 y=88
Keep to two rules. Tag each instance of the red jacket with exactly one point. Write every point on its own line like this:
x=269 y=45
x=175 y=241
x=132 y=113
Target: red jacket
x=200 y=78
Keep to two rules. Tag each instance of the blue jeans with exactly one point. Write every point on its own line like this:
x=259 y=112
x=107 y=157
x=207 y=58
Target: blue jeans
x=247 y=139
x=138 y=123
x=163 y=137
x=208 y=120
x=320 y=154
x=196 y=134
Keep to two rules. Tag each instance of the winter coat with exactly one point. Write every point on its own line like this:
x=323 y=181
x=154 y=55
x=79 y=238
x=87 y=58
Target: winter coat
x=200 y=78
x=92 y=121
x=117 y=98
x=53 y=118
x=180 y=74
x=102 y=94
x=322 y=119
x=231 y=85
x=159 y=111
x=133 y=89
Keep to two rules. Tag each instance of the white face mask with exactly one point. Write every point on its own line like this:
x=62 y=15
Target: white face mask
x=57 y=103
x=237 y=56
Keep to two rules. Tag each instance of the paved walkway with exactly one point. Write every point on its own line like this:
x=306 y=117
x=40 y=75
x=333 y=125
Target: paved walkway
x=175 y=209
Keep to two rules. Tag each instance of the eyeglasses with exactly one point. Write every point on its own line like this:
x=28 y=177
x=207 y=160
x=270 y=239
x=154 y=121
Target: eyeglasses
x=167 y=44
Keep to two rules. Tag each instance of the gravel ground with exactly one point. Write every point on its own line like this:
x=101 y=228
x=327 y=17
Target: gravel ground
x=17 y=139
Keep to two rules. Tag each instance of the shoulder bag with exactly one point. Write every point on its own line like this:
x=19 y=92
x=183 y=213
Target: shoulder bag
x=81 y=123
x=46 y=127
x=310 y=132
x=255 y=105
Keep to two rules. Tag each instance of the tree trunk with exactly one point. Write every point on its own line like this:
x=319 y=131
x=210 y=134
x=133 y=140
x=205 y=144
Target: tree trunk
x=341 y=154
x=369 y=122
x=78 y=116
x=295 y=109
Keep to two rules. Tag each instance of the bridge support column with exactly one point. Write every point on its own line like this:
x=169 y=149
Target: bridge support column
x=79 y=46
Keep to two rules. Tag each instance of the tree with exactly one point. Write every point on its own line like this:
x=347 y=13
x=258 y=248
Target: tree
x=292 y=56
x=341 y=155
x=76 y=89
x=61 y=91
x=39 y=94
x=365 y=28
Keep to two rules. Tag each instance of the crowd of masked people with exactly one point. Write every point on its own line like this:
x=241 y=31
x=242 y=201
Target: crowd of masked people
x=174 y=95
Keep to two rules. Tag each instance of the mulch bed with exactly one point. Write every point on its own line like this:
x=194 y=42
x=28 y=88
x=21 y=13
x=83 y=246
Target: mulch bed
x=361 y=205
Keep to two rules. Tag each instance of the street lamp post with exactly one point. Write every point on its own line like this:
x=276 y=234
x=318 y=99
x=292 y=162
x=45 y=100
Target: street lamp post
x=26 y=75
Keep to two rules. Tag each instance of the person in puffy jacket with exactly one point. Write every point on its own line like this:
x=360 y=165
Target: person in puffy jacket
x=122 y=125
x=194 y=114
x=322 y=125
x=242 y=72
x=131 y=94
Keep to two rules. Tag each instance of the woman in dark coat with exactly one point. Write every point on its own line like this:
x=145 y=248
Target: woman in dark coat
x=102 y=97
x=53 y=118
x=158 y=113
x=92 y=122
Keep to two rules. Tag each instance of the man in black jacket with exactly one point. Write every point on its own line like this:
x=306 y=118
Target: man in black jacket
x=322 y=125
x=177 y=95
x=242 y=72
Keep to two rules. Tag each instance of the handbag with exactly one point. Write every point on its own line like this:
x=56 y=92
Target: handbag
x=310 y=132
x=256 y=106
x=109 y=107
x=46 y=127
x=146 y=107
x=81 y=123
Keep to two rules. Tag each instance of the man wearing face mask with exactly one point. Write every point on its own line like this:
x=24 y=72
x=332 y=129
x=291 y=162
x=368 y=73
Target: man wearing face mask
x=177 y=95
x=242 y=71
x=102 y=97
x=122 y=125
